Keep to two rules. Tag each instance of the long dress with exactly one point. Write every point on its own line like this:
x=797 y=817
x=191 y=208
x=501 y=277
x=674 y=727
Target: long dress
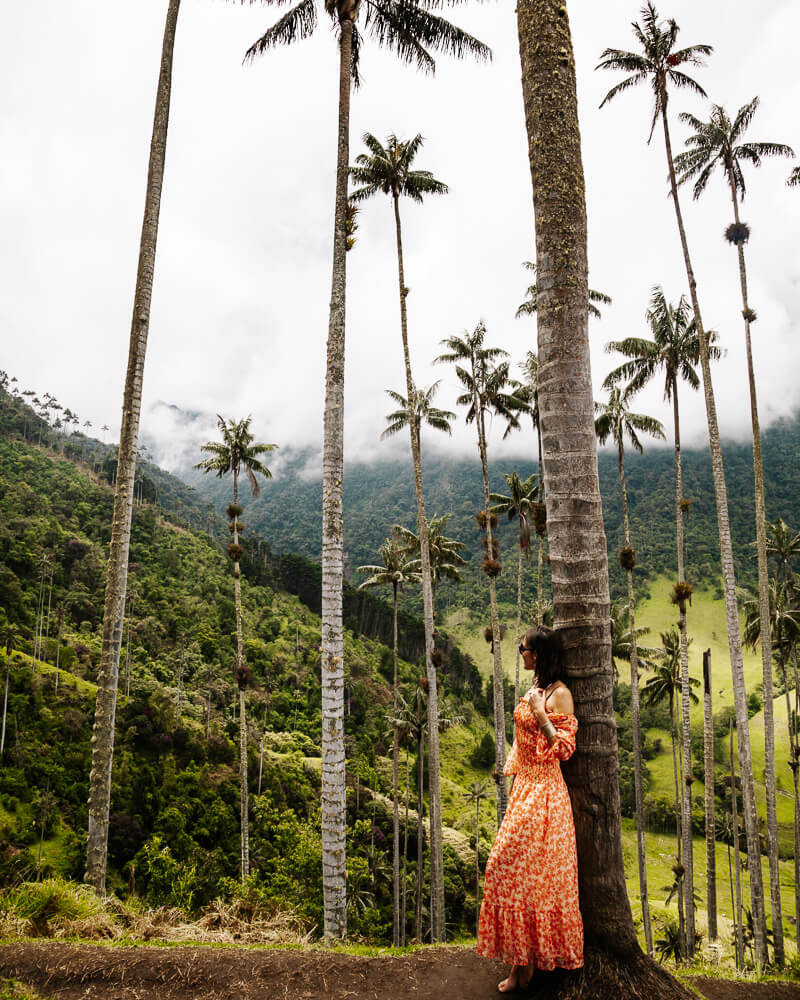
x=530 y=913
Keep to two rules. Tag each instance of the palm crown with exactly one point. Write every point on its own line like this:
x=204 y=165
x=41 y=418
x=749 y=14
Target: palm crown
x=396 y=569
x=420 y=410
x=387 y=169
x=409 y=28
x=487 y=380
x=658 y=60
x=236 y=452
x=519 y=503
x=445 y=553
x=615 y=420
x=674 y=349
x=531 y=304
x=718 y=143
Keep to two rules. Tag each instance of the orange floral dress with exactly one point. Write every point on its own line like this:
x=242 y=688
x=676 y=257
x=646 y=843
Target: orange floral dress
x=530 y=913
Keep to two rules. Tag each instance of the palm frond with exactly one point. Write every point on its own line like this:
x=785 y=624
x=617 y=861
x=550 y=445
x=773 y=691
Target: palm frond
x=295 y=25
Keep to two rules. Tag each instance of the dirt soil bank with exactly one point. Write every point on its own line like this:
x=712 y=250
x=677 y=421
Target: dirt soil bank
x=70 y=971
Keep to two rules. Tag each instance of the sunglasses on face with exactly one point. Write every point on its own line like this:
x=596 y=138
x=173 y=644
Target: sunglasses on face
x=530 y=649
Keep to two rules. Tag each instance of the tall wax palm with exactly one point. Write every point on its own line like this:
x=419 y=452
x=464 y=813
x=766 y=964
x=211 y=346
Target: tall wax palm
x=719 y=142
x=659 y=62
x=529 y=391
x=413 y=31
x=485 y=377
x=622 y=641
x=389 y=170
x=238 y=454
x=576 y=537
x=666 y=684
x=415 y=409
x=10 y=639
x=476 y=794
x=395 y=572
x=519 y=504
x=616 y=421
x=445 y=552
x=117 y=570
x=673 y=351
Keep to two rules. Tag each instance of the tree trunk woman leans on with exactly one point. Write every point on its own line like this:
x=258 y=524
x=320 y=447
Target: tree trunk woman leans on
x=530 y=916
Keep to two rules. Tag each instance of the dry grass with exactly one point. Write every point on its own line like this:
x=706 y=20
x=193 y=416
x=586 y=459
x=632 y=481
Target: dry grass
x=56 y=908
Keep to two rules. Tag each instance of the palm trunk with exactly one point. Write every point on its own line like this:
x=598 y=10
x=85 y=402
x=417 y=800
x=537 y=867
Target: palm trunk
x=737 y=860
x=764 y=616
x=708 y=784
x=678 y=825
x=635 y=720
x=395 y=804
x=333 y=800
x=686 y=899
x=405 y=856
x=729 y=582
x=117 y=572
x=477 y=864
x=497 y=654
x=540 y=547
x=793 y=764
x=615 y=965
x=519 y=624
x=420 y=831
x=244 y=859
x=434 y=782
x=5 y=705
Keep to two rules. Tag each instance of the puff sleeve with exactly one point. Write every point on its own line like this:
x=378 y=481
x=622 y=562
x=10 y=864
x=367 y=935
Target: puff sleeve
x=563 y=747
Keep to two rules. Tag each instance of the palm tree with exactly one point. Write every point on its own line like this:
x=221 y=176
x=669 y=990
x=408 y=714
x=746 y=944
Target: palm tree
x=394 y=572
x=415 y=409
x=659 y=62
x=412 y=31
x=621 y=642
x=708 y=798
x=529 y=306
x=576 y=536
x=117 y=570
x=476 y=794
x=675 y=351
x=236 y=453
x=665 y=684
x=388 y=170
x=794 y=178
x=783 y=632
x=519 y=503
x=486 y=380
x=719 y=143
x=445 y=552
x=10 y=639
x=616 y=421
x=529 y=391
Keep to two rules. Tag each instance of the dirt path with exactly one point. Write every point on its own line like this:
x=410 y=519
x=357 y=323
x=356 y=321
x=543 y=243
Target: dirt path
x=69 y=972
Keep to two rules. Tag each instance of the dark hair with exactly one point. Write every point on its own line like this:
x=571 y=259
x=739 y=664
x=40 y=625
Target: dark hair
x=548 y=645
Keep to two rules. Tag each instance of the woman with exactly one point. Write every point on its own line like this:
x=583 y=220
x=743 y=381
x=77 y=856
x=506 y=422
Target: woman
x=530 y=916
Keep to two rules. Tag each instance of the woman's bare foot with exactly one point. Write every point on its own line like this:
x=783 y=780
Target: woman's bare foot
x=518 y=979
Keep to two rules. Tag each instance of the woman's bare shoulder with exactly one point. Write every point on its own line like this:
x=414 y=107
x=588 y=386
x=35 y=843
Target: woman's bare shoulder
x=561 y=700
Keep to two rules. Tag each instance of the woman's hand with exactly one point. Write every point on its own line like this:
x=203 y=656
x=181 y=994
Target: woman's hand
x=536 y=701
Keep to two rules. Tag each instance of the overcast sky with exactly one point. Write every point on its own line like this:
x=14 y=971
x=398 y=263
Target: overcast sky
x=240 y=304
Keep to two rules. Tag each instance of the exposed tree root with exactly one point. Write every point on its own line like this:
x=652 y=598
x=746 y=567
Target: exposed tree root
x=606 y=976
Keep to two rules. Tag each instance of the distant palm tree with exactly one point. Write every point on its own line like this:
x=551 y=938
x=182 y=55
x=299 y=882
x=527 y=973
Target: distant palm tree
x=446 y=558
x=658 y=62
x=674 y=351
x=236 y=453
x=117 y=570
x=519 y=504
x=485 y=376
x=616 y=421
x=530 y=306
x=412 y=31
x=665 y=684
x=529 y=391
x=10 y=639
x=477 y=794
x=794 y=178
x=719 y=143
x=415 y=409
x=395 y=572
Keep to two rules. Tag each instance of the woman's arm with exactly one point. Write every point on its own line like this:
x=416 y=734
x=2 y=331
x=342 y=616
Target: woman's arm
x=561 y=701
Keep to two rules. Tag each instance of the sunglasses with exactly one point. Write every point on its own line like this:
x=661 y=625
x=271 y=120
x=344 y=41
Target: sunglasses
x=523 y=648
